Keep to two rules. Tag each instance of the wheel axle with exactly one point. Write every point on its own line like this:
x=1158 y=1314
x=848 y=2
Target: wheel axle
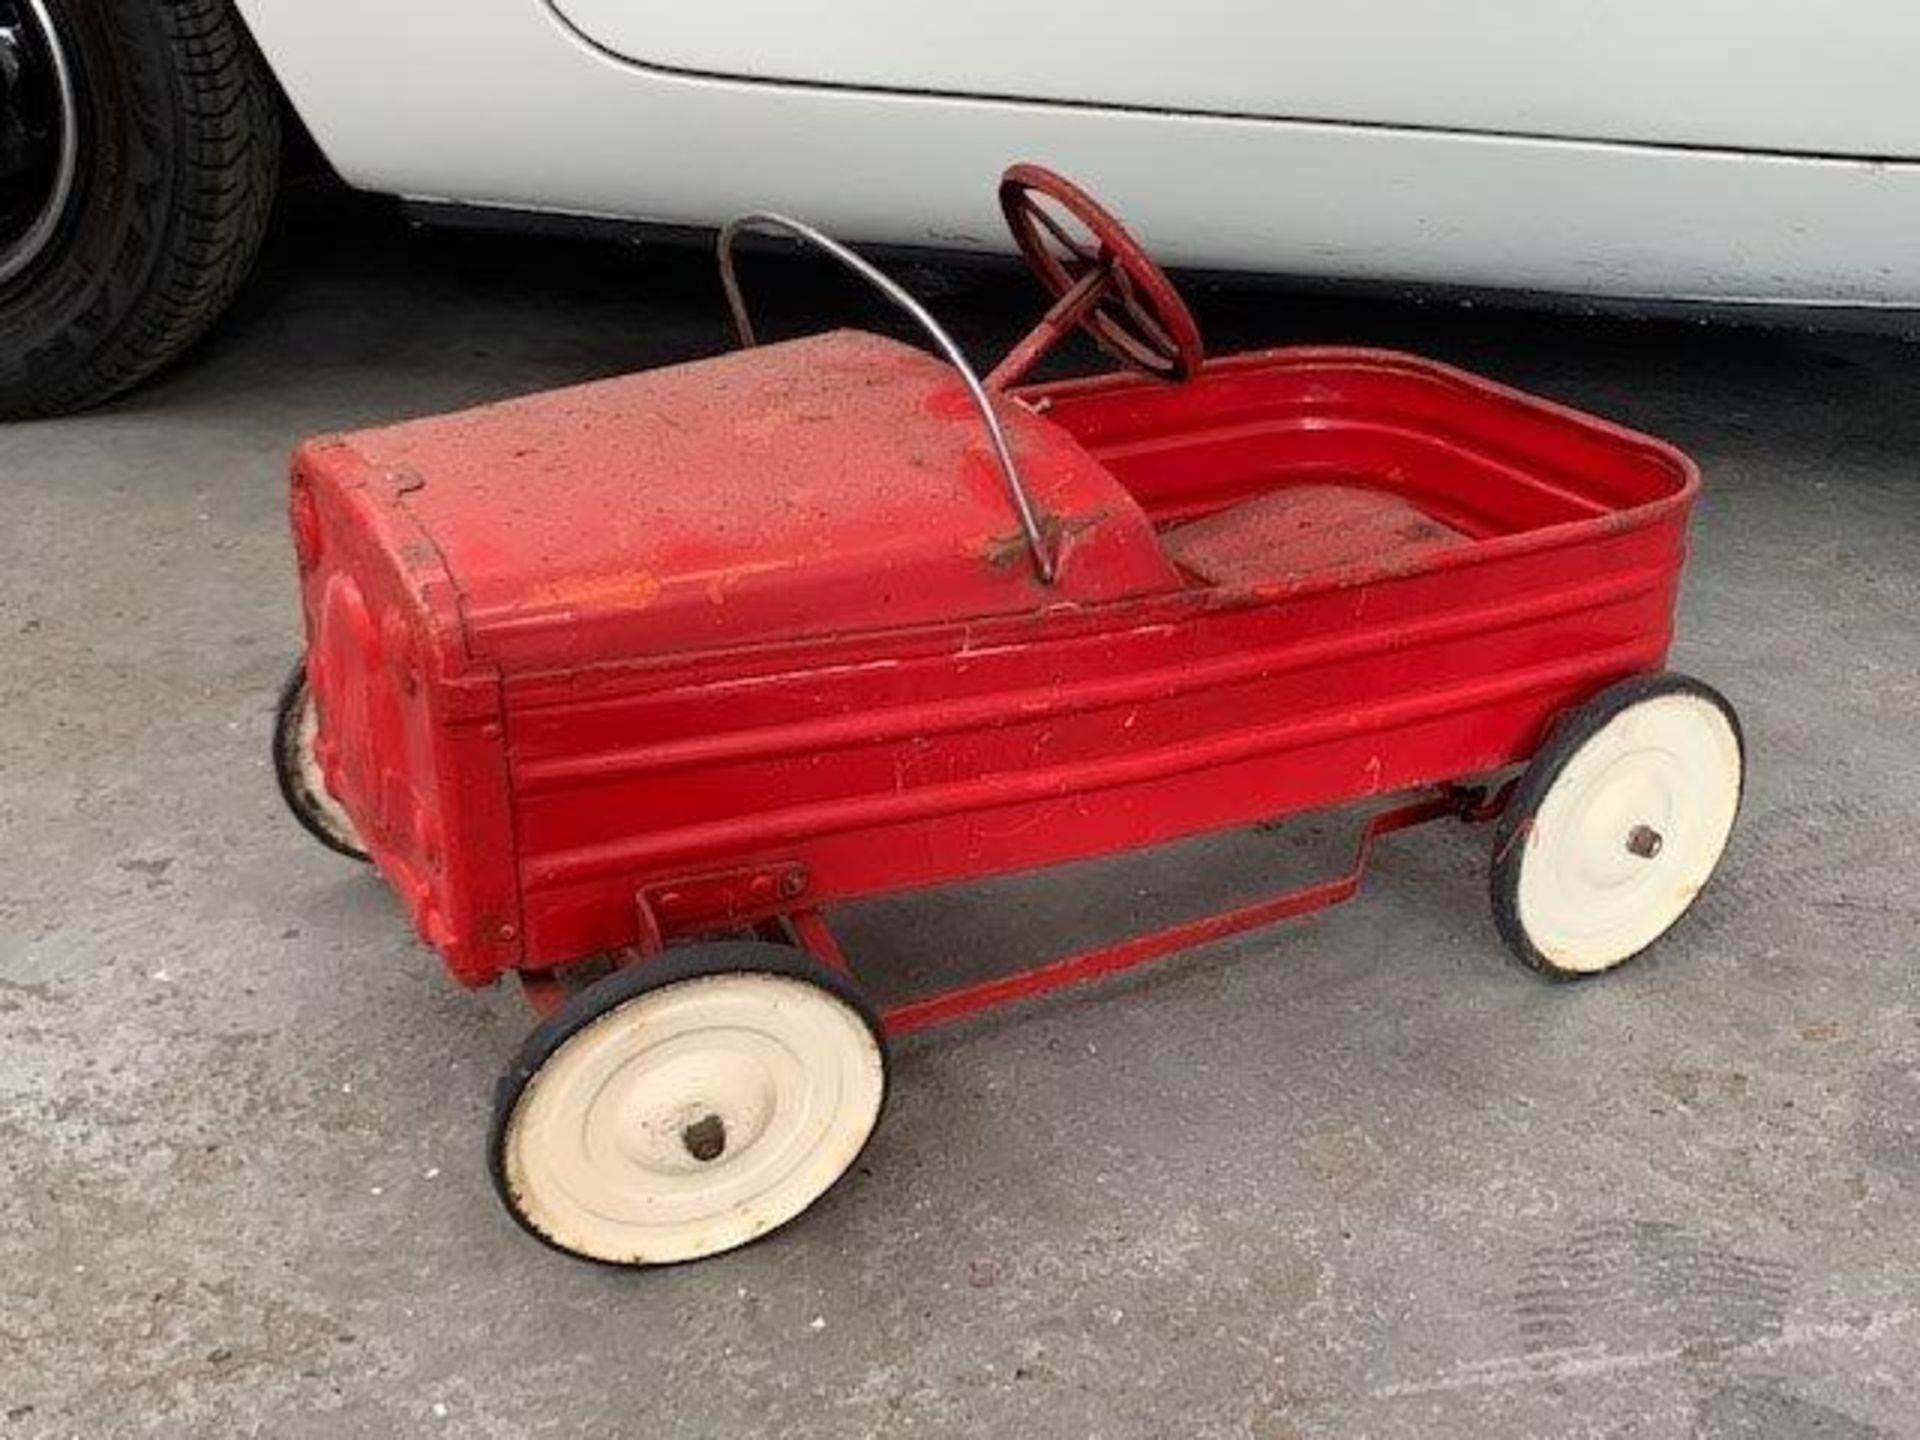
x=705 y=1139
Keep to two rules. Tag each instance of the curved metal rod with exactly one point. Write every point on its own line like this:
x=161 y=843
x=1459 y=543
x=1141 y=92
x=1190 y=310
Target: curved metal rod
x=767 y=220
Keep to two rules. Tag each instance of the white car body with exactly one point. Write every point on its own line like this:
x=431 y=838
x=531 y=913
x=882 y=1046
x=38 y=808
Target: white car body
x=1716 y=150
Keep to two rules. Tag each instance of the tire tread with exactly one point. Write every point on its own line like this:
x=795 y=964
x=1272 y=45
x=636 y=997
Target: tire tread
x=217 y=213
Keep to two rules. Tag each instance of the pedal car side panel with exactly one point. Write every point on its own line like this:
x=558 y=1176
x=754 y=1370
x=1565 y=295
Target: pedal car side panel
x=883 y=762
x=892 y=762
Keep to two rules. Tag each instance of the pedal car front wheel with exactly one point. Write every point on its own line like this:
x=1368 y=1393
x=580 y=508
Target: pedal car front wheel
x=296 y=724
x=687 y=1105
x=1617 y=824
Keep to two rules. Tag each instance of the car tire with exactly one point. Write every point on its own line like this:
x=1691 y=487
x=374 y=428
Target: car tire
x=144 y=140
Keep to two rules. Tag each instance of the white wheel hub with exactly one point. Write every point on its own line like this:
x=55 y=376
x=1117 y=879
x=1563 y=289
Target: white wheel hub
x=1629 y=831
x=692 y=1118
x=327 y=810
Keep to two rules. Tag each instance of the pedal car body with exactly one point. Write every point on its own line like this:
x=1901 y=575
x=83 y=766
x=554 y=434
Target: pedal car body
x=702 y=651
x=761 y=630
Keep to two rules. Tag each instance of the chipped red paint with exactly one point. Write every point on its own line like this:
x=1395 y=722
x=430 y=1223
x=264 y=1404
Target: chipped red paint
x=739 y=640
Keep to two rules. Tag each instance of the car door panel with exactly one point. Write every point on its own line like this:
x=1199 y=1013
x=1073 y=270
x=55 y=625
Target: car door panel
x=1740 y=74
x=421 y=114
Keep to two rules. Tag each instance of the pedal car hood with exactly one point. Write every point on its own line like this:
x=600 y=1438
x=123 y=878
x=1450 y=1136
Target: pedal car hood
x=834 y=484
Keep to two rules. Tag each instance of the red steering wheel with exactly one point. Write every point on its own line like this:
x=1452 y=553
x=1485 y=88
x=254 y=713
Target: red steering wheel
x=1099 y=277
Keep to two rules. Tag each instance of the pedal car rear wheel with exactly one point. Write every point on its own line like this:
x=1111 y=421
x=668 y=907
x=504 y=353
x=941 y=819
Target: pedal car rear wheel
x=1617 y=824
x=687 y=1105
x=296 y=724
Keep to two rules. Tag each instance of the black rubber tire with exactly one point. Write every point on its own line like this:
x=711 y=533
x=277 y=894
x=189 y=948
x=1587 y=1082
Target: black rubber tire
x=1572 y=731
x=690 y=962
x=178 y=161
x=304 y=805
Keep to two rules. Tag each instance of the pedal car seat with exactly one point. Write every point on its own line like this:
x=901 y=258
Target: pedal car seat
x=1300 y=529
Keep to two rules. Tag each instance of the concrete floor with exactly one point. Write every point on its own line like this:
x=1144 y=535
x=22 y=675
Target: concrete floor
x=1359 y=1176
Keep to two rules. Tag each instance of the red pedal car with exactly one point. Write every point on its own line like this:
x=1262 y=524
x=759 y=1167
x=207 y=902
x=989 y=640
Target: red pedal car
x=660 y=668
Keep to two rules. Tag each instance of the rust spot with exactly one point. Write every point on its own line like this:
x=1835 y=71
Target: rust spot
x=1010 y=547
x=1004 y=550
